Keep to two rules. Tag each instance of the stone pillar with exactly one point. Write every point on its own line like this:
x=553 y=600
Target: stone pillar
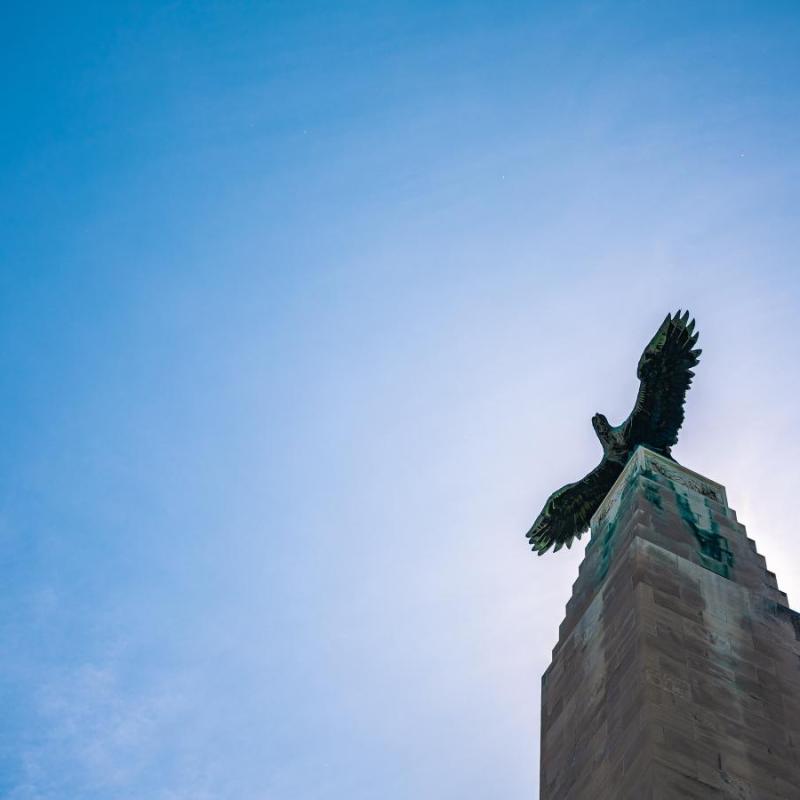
x=677 y=669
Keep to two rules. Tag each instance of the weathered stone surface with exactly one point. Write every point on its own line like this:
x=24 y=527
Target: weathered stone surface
x=677 y=669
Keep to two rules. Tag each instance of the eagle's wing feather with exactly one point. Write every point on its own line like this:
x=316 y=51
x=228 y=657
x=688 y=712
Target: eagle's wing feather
x=567 y=512
x=665 y=372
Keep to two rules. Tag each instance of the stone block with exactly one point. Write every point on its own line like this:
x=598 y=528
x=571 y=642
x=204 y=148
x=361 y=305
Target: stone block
x=677 y=670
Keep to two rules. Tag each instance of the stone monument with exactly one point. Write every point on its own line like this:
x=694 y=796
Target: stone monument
x=677 y=669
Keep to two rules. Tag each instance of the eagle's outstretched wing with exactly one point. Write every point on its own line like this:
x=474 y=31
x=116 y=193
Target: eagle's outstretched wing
x=567 y=512
x=665 y=372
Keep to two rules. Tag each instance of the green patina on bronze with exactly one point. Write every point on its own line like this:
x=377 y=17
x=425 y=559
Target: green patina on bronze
x=665 y=373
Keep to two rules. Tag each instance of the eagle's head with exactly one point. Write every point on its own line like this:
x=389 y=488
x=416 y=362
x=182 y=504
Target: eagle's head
x=601 y=426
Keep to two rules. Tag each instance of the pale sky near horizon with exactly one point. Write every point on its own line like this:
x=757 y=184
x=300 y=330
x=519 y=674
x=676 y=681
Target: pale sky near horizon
x=304 y=311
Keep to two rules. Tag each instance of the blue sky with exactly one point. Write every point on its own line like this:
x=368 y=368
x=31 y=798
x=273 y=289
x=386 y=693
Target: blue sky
x=304 y=311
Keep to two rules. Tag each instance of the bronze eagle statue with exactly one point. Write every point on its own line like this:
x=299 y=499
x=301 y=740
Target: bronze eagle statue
x=665 y=375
